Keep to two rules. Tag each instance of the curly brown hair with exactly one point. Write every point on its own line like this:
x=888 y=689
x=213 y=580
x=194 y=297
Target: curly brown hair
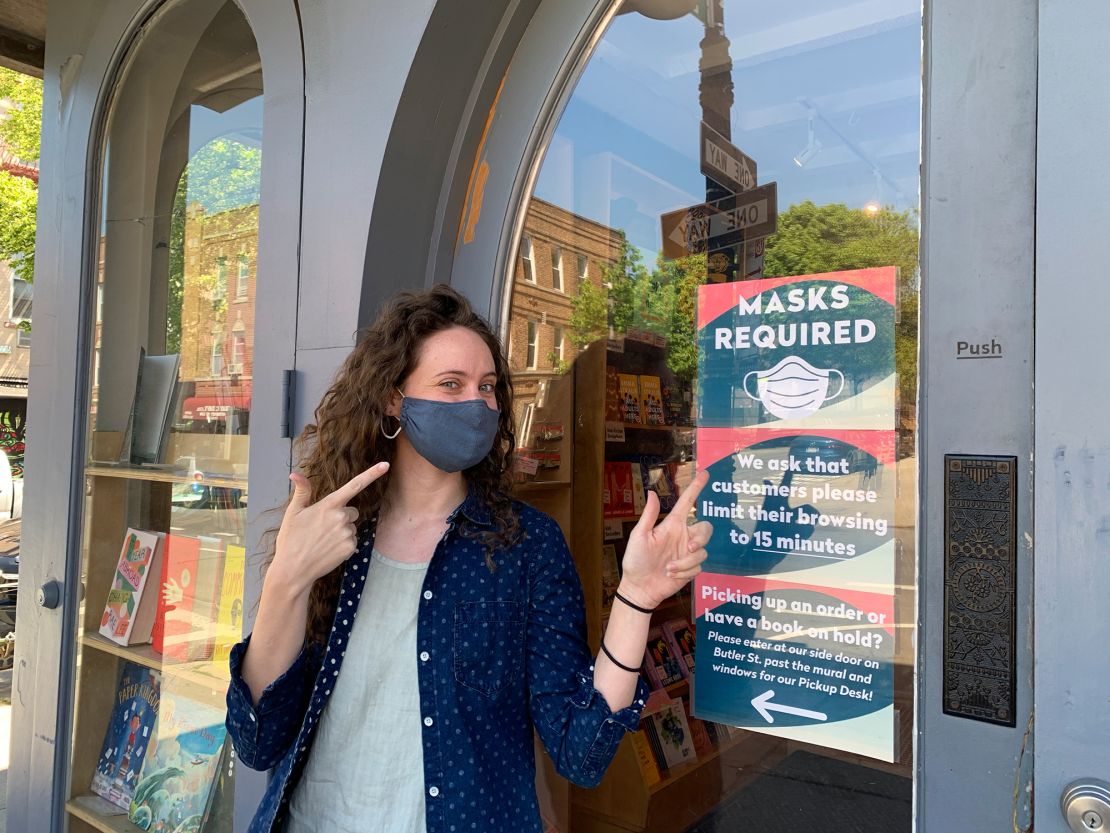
x=347 y=436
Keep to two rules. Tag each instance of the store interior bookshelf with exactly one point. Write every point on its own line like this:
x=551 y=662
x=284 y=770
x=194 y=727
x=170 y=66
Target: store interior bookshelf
x=592 y=437
x=134 y=496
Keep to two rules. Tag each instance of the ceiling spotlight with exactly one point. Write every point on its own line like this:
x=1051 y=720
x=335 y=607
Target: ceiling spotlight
x=812 y=148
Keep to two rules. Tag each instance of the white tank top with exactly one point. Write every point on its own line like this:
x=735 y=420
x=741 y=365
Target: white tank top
x=365 y=773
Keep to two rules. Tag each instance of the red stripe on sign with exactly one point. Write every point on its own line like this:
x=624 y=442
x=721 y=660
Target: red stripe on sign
x=715 y=444
x=711 y=590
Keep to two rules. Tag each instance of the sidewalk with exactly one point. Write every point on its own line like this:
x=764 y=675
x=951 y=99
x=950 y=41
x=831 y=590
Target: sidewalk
x=5 y=741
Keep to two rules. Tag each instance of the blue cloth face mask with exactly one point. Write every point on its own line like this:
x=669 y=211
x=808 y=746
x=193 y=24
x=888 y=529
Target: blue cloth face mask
x=452 y=436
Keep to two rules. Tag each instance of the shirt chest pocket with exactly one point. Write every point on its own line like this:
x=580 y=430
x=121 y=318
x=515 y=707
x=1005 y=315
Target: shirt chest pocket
x=489 y=644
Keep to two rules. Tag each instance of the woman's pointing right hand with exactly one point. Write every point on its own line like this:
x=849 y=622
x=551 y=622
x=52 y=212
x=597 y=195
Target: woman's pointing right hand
x=315 y=538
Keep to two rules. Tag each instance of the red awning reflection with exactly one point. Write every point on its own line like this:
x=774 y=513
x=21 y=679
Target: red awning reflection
x=213 y=407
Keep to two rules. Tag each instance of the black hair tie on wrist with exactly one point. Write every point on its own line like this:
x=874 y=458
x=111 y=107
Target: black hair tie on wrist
x=616 y=661
x=634 y=606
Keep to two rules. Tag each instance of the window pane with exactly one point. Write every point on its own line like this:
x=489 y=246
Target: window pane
x=526 y=264
x=168 y=426
x=739 y=185
x=557 y=268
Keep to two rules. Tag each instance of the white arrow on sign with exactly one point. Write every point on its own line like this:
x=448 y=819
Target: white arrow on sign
x=764 y=706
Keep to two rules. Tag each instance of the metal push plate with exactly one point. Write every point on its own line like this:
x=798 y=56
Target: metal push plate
x=980 y=565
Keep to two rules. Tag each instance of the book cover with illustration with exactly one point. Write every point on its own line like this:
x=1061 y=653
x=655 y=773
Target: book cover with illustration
x=130 y=609
x=184 y=627
x=176 y=781
x=639 y=492
x=229 y=617
x=651 y=400
x=618 y=490
x=655 y=476
x=672 y=734
x=680 y=633
x=129 y=733
x=663 y=668
x=630 y=397
x=677 y=400
x=613 y=411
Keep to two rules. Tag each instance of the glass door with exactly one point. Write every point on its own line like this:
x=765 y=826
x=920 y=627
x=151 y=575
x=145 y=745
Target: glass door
x=718 y=269
x=169 y=390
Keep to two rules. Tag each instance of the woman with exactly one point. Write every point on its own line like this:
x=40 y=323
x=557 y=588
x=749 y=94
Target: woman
x=416 y=624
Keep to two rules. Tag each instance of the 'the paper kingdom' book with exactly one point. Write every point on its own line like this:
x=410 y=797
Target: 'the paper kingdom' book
x=130 y=728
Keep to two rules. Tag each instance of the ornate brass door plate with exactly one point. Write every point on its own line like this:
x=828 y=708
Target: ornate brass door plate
x=980 y=546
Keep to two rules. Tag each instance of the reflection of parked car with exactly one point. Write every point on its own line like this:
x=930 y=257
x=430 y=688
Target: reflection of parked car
x=200 y=509
x=9 y=582
x=203 y=496
x=831 y=452
x=11 y=491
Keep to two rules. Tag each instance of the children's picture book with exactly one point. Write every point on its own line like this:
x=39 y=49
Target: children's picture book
x=175 y=785
x=184 y=627
x=128 y=736
x=651 y=400
x=630 y=397
x=229 y=618
x=673 y=734
x=680 y=634
x=132 y=600
x=663 y=668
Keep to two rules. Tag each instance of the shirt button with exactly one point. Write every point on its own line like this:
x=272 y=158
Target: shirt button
x=427 y=594
x=428 y=721
x=424 y=657
x=433 y=791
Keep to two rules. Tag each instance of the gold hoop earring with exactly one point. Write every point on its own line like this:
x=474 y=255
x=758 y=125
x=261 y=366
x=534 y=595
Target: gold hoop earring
x=386 y=433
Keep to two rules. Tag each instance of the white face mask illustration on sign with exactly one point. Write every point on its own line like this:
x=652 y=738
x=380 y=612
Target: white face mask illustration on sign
x=793 y=388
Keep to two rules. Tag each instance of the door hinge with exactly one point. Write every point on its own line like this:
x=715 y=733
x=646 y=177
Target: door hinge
x=288 y=390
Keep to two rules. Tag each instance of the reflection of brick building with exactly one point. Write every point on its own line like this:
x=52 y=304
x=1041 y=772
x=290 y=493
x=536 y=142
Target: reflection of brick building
x=217 y=311
x=557 y=251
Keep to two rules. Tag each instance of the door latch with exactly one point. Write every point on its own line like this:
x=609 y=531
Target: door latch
x=1086 y=806
x=49 y=595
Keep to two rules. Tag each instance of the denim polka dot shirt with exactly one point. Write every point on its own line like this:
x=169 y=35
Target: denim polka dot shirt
x=499 y=654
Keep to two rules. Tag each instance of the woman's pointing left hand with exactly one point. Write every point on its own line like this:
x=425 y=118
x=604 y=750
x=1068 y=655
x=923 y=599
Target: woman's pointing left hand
x=661 y=558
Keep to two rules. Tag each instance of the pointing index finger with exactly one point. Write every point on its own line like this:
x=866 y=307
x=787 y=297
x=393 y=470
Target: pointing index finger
x=690 y=494
x=356 y=484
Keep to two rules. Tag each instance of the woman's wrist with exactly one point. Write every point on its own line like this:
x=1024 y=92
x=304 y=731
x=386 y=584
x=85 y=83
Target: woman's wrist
x=284 y=587
x=636 y=598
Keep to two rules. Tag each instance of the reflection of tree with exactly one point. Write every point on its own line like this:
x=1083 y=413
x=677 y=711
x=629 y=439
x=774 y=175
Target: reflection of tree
x=811 y=239
x=829 y=238
x=630 y=297
x=19 y=138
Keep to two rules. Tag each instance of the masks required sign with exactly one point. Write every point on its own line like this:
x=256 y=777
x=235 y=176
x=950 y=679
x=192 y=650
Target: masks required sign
x=795 y=605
